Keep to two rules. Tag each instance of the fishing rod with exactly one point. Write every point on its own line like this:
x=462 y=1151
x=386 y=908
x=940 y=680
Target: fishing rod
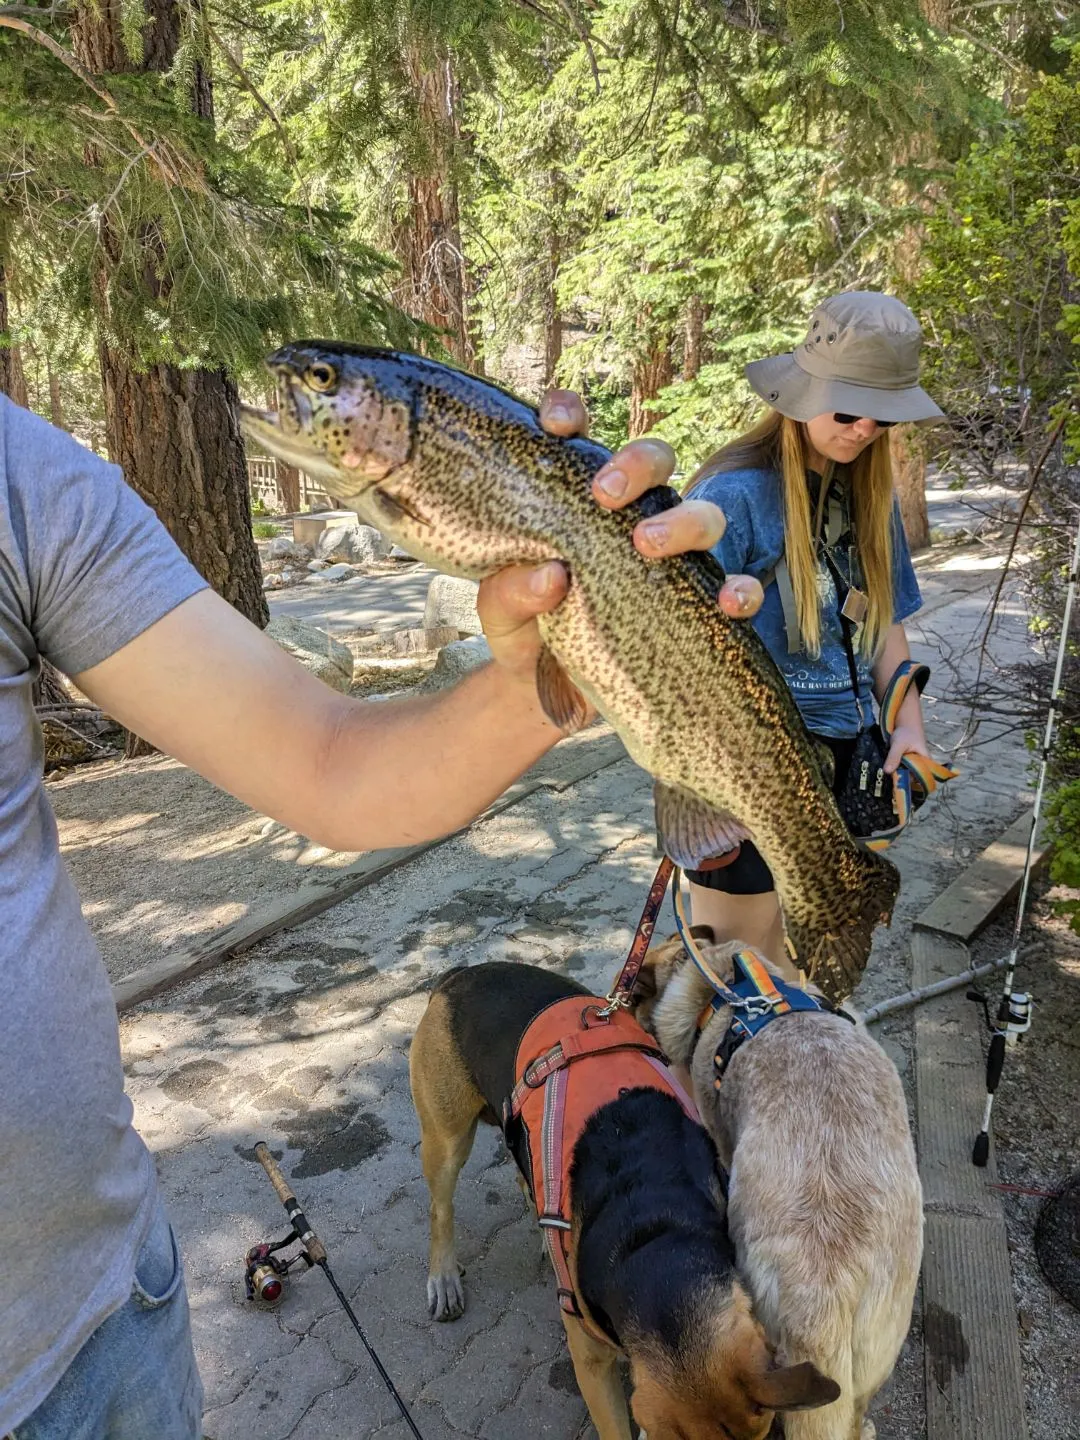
x=266 y=1269
x=1014 y=1012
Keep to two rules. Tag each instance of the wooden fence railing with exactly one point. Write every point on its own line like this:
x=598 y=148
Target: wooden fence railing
x=263 y=485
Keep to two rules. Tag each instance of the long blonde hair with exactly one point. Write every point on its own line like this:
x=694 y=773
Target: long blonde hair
x=777 y=443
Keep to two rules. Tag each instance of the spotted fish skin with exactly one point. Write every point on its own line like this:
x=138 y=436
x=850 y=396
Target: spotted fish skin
x=460 y=473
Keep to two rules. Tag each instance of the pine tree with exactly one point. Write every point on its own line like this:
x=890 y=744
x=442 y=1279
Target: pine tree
x=184 y=258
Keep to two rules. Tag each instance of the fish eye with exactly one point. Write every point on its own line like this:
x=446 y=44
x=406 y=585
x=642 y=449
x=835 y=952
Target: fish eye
x=321 y=376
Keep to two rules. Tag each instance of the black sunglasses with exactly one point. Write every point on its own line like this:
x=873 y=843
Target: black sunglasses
x=842 y=419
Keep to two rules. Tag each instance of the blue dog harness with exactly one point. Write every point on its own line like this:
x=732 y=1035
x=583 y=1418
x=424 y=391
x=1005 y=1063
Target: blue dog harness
x=755 y=996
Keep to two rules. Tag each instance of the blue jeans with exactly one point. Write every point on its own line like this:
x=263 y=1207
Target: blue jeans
x=135 y=1378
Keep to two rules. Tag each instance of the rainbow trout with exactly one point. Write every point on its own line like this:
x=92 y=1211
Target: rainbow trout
x=460 y=473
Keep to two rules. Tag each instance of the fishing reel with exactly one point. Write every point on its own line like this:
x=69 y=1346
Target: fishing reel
x=1013 y=1017
x=266 y=1272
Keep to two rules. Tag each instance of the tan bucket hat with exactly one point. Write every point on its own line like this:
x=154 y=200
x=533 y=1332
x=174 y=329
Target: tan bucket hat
x=860 y=357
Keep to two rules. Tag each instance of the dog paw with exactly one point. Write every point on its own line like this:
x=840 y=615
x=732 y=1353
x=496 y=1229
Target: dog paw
x=445 y=1296
x=868 y=1431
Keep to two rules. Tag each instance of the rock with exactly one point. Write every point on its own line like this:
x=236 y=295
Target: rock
x=419 y=642
x=338 y=572
x=282 y=548
x=315 y=649
x=455 y=661
x=307 y=528
x=452 y=602
x=397 y=553
x=316 y=565
x=351 y=545
x=273 y=582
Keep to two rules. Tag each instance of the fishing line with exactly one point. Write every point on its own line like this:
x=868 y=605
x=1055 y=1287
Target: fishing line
x=266 y=1272
x=1014 y=1011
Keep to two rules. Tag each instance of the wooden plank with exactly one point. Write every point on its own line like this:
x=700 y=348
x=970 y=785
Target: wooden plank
x=972 y=900
x=950 y=1081
x=312 y=899
x=974 y=1378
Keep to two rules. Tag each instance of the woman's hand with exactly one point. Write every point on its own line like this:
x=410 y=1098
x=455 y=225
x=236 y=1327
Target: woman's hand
x=510 y=601
x=907 y=739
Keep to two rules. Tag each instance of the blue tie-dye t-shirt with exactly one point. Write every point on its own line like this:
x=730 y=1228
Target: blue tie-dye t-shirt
x=752 y=544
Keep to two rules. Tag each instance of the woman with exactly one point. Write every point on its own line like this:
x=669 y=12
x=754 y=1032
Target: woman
x=811 y=513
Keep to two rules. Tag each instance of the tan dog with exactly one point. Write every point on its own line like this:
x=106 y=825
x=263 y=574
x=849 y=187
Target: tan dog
x=824 y=1200
x=650 y=1258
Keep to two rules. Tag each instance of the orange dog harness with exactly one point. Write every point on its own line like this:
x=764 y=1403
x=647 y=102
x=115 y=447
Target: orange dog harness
x=560 y=1086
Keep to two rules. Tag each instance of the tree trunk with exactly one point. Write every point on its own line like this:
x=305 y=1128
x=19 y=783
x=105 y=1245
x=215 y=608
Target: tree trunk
x=173 y=431
x=693 y=337
x=56 y=404
x=12 y=379
x=908 y=456
x=288 y=479
x=428 y=241
x=652 y=372
x=176 y=436
x=288 y=476
x=909 y=478
x=552 y=315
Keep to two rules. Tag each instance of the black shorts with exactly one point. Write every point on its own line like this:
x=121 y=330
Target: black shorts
x=748 y=874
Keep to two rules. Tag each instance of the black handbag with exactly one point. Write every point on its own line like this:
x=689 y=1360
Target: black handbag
x=875 y=806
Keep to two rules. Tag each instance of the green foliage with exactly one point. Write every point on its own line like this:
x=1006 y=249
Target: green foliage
x=1063 y=833
x=140 y=222
x=262 y=529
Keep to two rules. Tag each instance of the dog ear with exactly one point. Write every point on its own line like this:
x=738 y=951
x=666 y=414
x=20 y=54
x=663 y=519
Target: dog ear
x=646 y=986
x=793 y=1387
x=704 y=933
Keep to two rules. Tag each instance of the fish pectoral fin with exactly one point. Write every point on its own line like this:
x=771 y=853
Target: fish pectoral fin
x=691 y=831
x=395 y=509
x=563 y=703
x=826 y=759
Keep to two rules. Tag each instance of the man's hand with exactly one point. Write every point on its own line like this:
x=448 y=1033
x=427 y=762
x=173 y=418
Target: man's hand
x=510 y=601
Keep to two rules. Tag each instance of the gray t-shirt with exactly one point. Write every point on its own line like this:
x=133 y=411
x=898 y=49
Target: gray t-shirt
x=85 y=567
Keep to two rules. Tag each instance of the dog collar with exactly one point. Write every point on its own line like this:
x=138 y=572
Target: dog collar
x=755 y=997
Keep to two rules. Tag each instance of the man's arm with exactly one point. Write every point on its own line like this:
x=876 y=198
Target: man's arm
x=205 y=685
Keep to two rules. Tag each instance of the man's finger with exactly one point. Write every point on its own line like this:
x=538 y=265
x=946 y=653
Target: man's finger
x=513 y=596
x=562 y=413
x=741 y=596
x=631 y=471
x=693 y=525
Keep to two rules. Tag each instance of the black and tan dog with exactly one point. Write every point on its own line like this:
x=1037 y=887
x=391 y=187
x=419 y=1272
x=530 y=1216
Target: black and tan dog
x=649 y=1262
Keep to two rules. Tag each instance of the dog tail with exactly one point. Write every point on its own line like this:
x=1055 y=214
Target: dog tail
x=832 y=1354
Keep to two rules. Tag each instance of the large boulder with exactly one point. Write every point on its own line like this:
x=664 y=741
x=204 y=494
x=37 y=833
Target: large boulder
x=452 y=602
x=455 y=661
x=351 y=545
x=315 y=649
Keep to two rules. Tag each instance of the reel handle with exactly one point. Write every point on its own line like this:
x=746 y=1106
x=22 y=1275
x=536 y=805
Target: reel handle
x=316 y=1250
x=273 y=1170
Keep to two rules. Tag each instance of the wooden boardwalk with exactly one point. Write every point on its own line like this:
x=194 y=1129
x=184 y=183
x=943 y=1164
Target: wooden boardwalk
x=974 y=1379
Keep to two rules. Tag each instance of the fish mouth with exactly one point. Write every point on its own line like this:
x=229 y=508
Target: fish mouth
x=266 y=429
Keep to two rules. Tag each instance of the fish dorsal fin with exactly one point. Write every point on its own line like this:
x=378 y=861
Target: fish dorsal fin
x=562 y=701
x=691 y=831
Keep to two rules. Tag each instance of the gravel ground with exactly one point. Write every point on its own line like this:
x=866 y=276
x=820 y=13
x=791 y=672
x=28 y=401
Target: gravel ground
x=1037 y=1137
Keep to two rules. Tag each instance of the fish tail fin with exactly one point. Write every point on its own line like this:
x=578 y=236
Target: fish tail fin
x=834 y=953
